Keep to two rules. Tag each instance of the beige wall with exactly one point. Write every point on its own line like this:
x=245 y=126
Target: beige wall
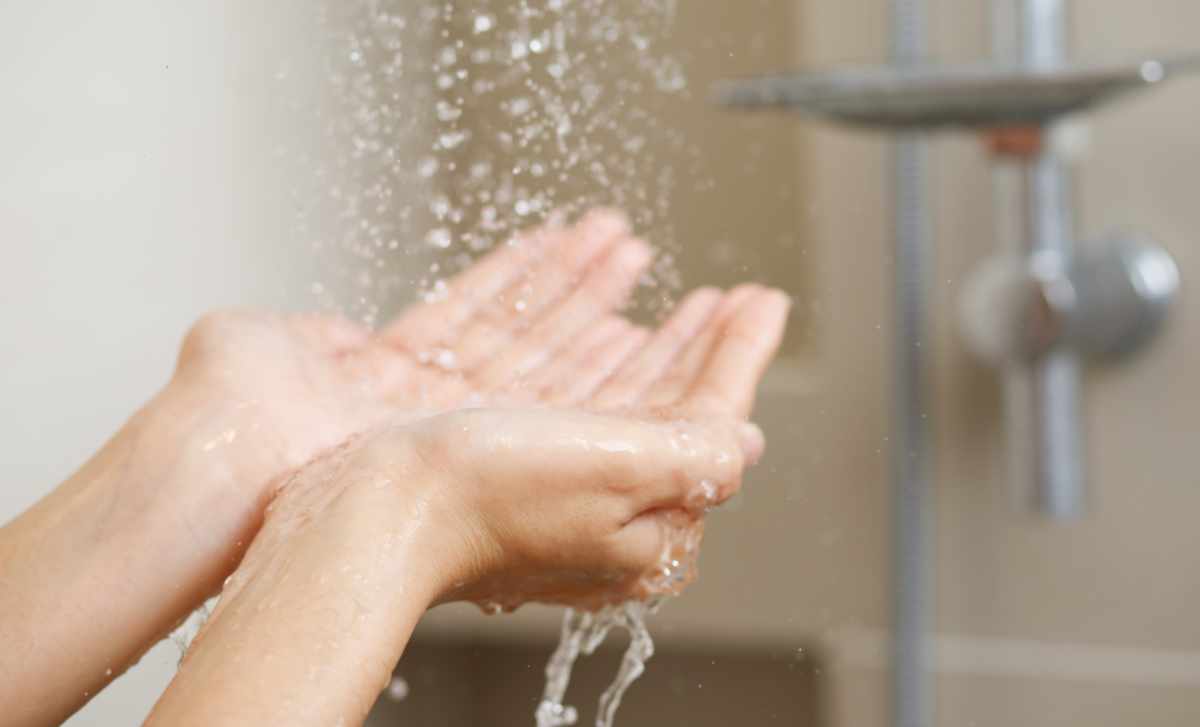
x=120 y=225
x=1039 y=624
x=137 y=190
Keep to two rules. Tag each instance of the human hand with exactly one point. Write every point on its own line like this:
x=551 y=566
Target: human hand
x=513 y=470
x=508 y=506
x=502 y=506
x=257 y=395
x=181 y=489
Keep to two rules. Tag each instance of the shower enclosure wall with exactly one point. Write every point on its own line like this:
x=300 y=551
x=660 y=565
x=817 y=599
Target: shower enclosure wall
x=1040 y=623
x=1035 y=623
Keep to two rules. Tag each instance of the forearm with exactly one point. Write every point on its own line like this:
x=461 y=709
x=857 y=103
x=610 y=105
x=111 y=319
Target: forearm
x=99 y=571
x=309 y=628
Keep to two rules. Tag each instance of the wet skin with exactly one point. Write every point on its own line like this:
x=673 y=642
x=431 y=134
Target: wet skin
x=162 y=515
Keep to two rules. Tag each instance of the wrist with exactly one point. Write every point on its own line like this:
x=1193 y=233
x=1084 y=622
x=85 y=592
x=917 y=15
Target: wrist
x=351 y=555
x=397 y=490
x=175 y=496
x=116 y=535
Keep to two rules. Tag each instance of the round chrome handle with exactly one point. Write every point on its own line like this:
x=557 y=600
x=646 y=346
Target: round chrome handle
x=1110 y=302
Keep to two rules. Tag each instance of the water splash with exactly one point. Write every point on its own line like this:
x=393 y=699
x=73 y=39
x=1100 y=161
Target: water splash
x=448 y=127
x=582 y=634
x=184 y=634
x=397 y=689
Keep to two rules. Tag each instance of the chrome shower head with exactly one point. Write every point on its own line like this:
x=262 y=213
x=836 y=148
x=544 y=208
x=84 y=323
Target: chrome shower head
x=970 y=96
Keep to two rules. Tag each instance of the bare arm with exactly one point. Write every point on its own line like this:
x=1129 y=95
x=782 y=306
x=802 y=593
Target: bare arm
x=100 y=570
x=104 y=567
x=487 y=505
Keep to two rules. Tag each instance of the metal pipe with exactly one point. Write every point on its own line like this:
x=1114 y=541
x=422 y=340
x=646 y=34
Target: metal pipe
x=912 y=559
x=1056 y=379
x=1044 y=32
x=1044 y=398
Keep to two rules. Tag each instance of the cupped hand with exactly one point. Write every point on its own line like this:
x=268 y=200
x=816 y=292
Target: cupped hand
x=497 y=506
x=257 y=395
x=597 y=498
x=509 y=506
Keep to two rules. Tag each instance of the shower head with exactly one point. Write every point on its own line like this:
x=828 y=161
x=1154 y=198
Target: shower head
x=969 y=96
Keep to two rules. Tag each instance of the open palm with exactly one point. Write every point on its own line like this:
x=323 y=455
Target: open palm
x=532 y=323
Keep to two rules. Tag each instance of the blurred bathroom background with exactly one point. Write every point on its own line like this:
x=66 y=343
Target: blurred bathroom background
x=150 y=159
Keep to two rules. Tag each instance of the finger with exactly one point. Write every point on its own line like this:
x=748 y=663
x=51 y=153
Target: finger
x=425 y=324
x=547 y=284
x=579 y=383
x=494 y=325
x=632 y=465
x=400 y=381
x=659 y=551
x=719 y=453
x=680 y=465
x=606 y=287
x=744 y=349
x=669 y=390
x=630 y=383
x=594 y=339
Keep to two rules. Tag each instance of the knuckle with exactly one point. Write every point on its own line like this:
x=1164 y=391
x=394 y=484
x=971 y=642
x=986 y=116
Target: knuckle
x=619 y=477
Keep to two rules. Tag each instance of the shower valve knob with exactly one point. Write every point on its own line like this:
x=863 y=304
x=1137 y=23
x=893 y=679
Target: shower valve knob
x=1110 y=301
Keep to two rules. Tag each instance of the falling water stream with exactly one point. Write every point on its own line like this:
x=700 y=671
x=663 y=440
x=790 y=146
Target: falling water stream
x=449 y=126
x=530 y=108
x=515 y=111
x=583 y=633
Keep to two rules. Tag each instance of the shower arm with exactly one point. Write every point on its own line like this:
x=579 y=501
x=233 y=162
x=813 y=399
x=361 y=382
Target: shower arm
x=1049 y=305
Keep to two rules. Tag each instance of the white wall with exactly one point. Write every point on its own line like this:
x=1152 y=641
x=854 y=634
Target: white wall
x=134 y=194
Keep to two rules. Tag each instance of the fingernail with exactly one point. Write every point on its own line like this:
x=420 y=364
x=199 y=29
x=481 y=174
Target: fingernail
x=606 y=223
x=783 y=299
x=739 y=295
x=753 y=441
x=634 y=255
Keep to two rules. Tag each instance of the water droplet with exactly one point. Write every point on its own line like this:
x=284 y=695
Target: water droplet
x=484 y=23
x=439 y=238
x=397 y=689
x=446 y=360
x=447 y=111
x=428 y=167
